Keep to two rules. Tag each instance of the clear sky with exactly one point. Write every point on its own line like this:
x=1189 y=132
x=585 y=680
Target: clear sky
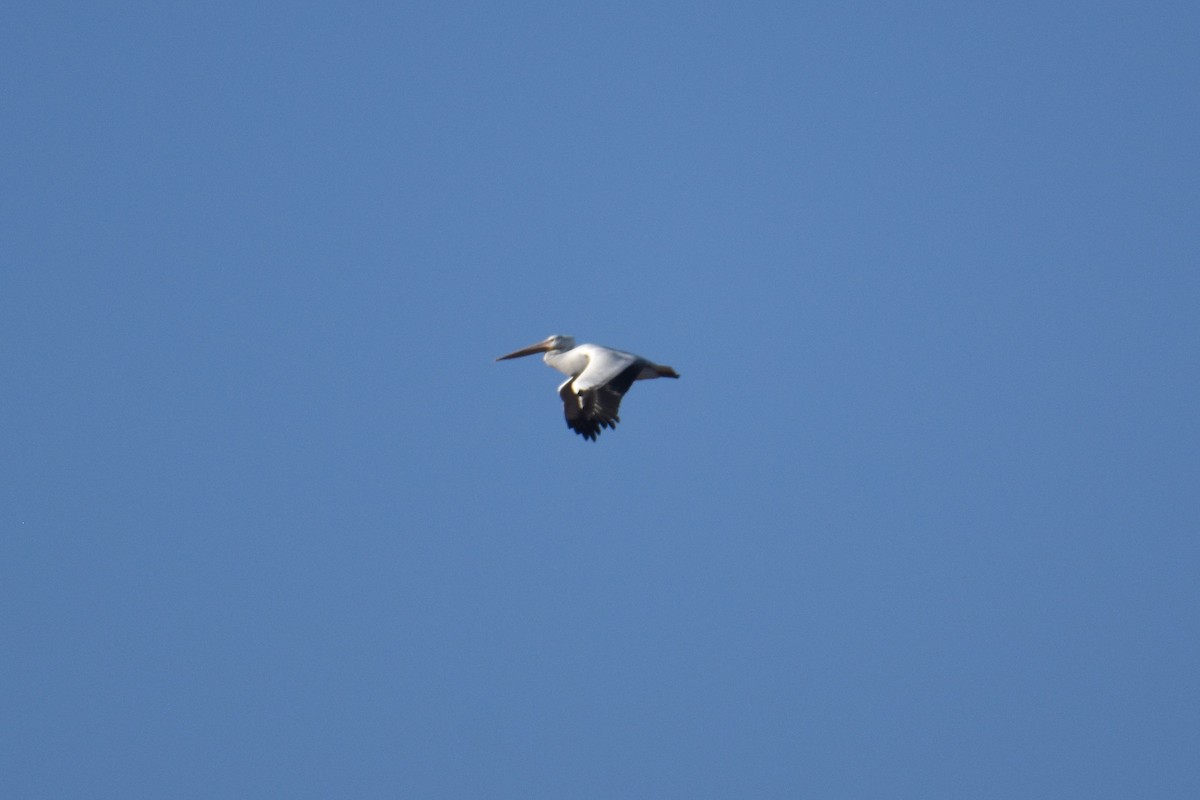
x=919 y=520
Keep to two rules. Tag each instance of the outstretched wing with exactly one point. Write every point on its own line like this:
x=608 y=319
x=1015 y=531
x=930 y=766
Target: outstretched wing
x=603 y=366
x=590 y=410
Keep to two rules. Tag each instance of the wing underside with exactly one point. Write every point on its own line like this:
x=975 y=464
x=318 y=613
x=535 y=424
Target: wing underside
x=590 y=410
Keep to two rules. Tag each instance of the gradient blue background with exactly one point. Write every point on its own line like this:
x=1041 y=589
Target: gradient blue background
x=919 y=520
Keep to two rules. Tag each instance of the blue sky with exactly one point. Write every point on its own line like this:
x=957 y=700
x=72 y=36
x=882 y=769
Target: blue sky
x=919 y=520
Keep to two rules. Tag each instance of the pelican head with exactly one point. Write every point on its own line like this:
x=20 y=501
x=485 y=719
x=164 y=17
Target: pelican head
x=549 y=344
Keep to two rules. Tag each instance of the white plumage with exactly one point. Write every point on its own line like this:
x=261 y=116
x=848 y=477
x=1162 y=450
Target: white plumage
x=597 y=378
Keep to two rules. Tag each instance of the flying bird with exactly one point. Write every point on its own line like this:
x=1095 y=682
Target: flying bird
x=597 y=378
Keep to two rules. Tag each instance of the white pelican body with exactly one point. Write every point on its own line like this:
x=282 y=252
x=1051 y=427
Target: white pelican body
x=597 y=378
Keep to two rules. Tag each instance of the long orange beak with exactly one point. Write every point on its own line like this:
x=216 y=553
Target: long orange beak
x=540 y=347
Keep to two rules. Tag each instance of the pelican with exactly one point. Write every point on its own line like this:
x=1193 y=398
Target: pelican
x=597 y=378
